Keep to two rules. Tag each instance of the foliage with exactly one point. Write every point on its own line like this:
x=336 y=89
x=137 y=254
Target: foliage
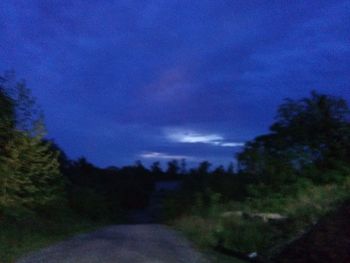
x=30 y=180
x=309 y=134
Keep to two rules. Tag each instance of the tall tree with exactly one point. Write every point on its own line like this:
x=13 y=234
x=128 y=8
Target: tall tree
x=29 y=169
x=318 y=124
x=311 y=132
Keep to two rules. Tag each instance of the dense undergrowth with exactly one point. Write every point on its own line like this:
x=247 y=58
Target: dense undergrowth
x=210 y=222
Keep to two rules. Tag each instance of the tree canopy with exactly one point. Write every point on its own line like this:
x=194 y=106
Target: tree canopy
x=310 y=133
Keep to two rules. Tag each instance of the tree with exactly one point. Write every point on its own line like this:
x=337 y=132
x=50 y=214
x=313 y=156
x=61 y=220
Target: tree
x=219 y=171
x=203 y=168
x=30 y=179
x=28 y=117
x=311 y=132
x=173 y=169
x=156 y=171
x=317 y=126
x=183 y=169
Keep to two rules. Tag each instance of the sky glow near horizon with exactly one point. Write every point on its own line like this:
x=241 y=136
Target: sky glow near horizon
x=154 y=80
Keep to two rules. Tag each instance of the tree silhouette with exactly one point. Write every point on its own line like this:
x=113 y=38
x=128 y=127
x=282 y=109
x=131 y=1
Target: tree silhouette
x=173 y=169
x=311 y=133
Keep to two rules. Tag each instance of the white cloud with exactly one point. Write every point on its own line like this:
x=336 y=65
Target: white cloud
x=158 y=155
x=232 y=144
x=191 y=137
x=177 y=135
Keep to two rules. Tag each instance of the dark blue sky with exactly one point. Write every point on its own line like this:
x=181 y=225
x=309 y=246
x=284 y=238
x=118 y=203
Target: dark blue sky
x=126 y=80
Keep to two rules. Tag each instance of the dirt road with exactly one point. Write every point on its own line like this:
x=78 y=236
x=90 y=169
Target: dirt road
x=145 y=243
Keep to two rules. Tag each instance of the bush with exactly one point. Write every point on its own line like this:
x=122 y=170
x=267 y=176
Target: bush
x=199 y=229
x=247 y=235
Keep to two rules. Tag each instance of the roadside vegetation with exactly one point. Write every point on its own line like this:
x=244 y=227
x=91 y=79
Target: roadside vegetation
x=284 y=182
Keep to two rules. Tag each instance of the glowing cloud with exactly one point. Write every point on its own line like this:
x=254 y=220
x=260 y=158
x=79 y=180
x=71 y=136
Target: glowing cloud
x=232 y=144
x=181 y=136
x=190 y=137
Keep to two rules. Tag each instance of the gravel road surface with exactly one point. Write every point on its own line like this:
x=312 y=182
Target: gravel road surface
x=145 y=243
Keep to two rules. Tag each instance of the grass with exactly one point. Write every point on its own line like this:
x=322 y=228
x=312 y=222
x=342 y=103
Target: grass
x=235 y=234
x=18 y=239
x=204 y=237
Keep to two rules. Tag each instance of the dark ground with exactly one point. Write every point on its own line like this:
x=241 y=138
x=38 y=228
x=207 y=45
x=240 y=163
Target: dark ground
x=327 y=242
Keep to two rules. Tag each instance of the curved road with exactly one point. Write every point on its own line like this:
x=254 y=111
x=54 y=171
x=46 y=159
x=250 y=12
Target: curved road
x=147 y=243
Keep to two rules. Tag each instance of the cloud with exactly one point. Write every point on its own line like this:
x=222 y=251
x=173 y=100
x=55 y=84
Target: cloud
x=232 y=144
x=191 y=137
x=159 y=155
x=195 y=137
